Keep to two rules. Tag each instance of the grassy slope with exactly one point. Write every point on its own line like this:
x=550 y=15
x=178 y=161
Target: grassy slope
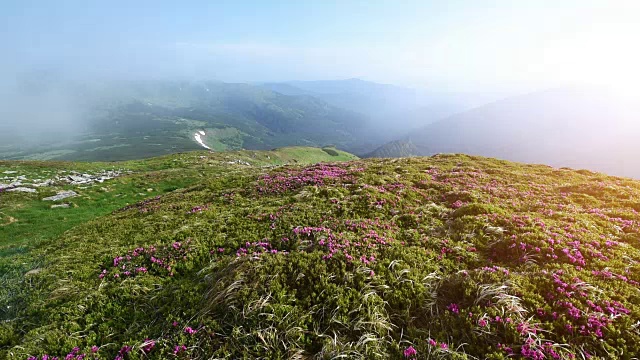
x=397 y=148
x=366 y=259
x=27 y=222
x=151 y=177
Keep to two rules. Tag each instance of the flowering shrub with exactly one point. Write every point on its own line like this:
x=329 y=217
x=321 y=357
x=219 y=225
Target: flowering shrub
x=322 y=174
x=139 y=261
x=451 y=257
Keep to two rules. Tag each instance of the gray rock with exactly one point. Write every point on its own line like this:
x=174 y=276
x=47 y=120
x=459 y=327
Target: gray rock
x=10 y=186
x=9 y=172
x=77 y=179
x=61 y=195
x=23 y=189
x=63 y=206
x=45 y=183
x=239 y=162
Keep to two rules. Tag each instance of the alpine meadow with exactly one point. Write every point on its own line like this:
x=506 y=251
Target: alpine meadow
x=320 y=180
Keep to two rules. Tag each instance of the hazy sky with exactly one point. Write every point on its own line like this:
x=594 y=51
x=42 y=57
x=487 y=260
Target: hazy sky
x=454 y=44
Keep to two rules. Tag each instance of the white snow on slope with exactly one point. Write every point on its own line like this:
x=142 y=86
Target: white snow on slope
x=198 y=138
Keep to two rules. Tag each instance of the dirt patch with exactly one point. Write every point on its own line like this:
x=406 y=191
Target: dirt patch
x=32 y=272
x=6 y=219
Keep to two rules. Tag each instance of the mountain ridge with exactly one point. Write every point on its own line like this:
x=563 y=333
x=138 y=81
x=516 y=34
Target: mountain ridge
x=576 y=127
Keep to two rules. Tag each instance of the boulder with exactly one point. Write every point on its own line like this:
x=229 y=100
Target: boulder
x=22 y=189
x=61 y=195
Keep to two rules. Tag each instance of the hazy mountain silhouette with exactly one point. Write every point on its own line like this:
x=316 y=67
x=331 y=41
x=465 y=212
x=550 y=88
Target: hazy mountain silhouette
x=573 y=126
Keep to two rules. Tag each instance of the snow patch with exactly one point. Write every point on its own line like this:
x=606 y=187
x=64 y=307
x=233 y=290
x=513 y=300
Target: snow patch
x=198 y=138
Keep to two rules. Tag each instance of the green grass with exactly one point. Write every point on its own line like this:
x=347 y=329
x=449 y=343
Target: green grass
x=34 y=220
x=359 y=259
x=27 y=222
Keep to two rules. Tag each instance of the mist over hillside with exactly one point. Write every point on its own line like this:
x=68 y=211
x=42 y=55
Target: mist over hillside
x=580 y=127
x=51 y=117
x=392 y=110
x=115 y=120
x=61 y=118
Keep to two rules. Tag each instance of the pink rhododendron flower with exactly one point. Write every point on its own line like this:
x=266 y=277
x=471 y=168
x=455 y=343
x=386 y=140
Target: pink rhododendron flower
x=410 y=352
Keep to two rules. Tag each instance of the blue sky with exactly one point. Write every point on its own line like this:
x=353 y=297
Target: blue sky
x=452 y=44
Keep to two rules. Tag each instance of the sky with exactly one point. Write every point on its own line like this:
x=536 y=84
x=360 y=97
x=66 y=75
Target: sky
x=459 y=45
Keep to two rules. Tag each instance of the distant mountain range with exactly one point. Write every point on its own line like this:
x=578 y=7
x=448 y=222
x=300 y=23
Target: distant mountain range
x=54 y=119
x=578 y=127
x=391 y=109
x=140 y=119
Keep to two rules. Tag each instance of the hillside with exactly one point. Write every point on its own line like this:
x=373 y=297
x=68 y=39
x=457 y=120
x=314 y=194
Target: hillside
x=131 y=120
x=362 y=96
x=392 y=110
x=452 y=257
x=397 y=148
x=578 y=127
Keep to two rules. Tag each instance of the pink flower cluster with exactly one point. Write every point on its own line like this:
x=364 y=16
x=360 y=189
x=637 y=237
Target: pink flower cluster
x=454 y=308
x=179 y=349
x=363 y=248
x=410 y=352
x=584 y=315
x=436 y=344
x=257 y=248
x=144 y=206
x=141 y=260
x=318 y=175
x=198 y=209
x=74 y=354
x=148 y=345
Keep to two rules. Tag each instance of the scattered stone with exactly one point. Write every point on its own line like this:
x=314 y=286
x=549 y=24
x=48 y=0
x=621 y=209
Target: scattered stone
x=61 y=195
x=239 y=162
x=22 y=189
x=10 y=186
x=79 y=179
x=32 y=272
x=64 y=206
x=9 y=172
x=45 y=183
x=149 y=190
